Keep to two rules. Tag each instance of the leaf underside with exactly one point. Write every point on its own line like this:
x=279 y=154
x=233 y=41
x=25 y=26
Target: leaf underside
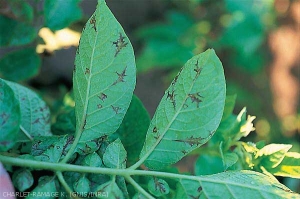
x=189 y=112
x=104 y=75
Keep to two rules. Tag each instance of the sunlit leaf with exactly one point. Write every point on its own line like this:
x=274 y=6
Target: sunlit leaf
x=233 y=184
x=10 y=117
x=189 y=112
x=289 y=166
x=61 y=13
x=20 y=65
x=104 y=76
x=271 y=155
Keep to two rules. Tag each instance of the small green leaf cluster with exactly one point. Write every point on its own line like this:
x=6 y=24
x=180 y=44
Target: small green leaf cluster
x=107 y=146
x=20 y=23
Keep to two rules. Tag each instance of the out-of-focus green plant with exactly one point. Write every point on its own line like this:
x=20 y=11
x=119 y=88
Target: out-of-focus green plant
x=237 y=28
x=20 y=22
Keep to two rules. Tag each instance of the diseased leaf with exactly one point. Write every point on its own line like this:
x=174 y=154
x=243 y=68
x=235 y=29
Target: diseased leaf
x=271 y=155
x=35 y=114
x=115 y=155
x=104 y=76
x=10 y=117
x=289 y=166
x=15 y=33
x=20 y=65
x=109 y=189
x=22 y=179
x=188 y=114
x=158 y=187
x=61 y=13
x=133 y=129
x=45 y=188
x=233 y=184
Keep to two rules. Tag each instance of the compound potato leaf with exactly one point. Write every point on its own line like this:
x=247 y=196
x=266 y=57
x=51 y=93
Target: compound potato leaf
x=104 y=76
x=10 y=117
x=189 y=113
x=61 y=13
x=35 y=114
x=233 y=184
x=20 y=65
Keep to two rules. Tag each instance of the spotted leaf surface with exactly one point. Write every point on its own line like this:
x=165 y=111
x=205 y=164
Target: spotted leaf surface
x=10 y=117
x=233 y=184
x=104 y=75
x=189 y=112
x=35 y=114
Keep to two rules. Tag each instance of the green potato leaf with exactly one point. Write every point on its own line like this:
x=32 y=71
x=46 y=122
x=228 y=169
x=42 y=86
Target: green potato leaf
x=15 y=33
x=104 y=76
x=22 y=179
x=45 y=189
x=92 y=160
x=10 y=117
x=158 y=187
x=229 y=106
x=189 y=113
x=115 y=155
x=35 y=114
x=20 y=65
x=82 y=185
x=208 y=164
x=133 y=129
x=22 y=10
x=61 y=13
x=109 y=190
x=233 y=184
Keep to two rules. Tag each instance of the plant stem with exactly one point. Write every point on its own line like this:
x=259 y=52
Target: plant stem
x=138 y=187
x=65 y=184
x=26 y=133
x=72 y=149
x=95 y=170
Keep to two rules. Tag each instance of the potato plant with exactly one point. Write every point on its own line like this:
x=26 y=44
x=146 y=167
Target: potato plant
x=107 y=147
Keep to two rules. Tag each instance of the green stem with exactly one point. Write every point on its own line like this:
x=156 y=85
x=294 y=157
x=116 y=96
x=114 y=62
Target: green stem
x=65 y=184
x=72 y=149
x=138 y=187
x=95 y=170
x=26 y=133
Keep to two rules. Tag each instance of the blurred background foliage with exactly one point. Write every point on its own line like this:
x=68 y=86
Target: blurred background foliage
x=257 y=42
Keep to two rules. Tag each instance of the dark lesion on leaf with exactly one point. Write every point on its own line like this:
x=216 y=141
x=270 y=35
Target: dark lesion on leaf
x=154 y=130
x=120 y=76
x=115 y=109
x=196 y=97
x=87 y=71
x=197 y=69
x=69 y=141
x=84 y=123
x=99 y=106
x=102 y=96
x=93 y=22
x=191 y=140
x=184 y=152
x=159 y=186
x=120 y=43
x=171 y=95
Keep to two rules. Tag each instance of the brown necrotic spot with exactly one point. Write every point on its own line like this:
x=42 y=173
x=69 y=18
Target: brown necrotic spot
x=87 y=71
x=99 y=106
x=102 y=96
x=120 y=43
x=120 y=76
x=195 y=98
x=115 y=109
x=93 y=22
